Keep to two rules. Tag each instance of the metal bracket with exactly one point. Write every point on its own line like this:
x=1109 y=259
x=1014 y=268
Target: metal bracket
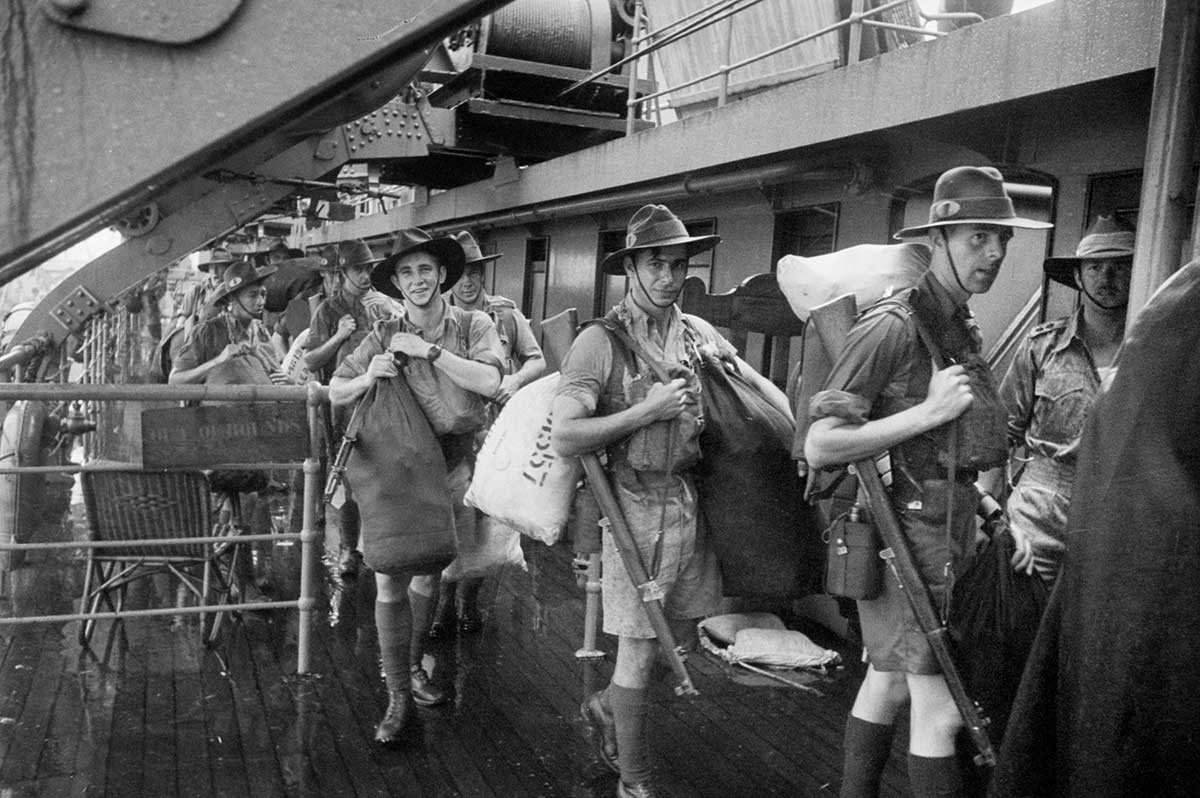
x=76 y=309
x=159 y=21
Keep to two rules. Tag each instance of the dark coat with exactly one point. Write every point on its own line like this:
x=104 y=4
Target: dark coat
x=1109 y=703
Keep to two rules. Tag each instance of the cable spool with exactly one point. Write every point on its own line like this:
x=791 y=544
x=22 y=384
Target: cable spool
x=555 y=32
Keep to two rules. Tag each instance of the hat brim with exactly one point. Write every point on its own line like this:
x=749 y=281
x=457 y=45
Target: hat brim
x=1062 y=270
x=315 y=263
x=614 y=262
x=261 y=274
x=447 y=251
x=486 y=259
x=1015 y=221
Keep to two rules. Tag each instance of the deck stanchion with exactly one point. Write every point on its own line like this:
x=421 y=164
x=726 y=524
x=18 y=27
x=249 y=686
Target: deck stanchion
x=308 y=532
x=591 y=609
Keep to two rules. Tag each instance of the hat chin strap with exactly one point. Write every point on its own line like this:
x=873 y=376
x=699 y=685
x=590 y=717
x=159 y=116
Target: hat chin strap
x=953 y=265
x=649 y=298
x=1097 y=302
x=247 y=310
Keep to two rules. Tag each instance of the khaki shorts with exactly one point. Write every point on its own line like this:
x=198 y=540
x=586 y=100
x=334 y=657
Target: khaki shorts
x=891 y=635
x=687 y=568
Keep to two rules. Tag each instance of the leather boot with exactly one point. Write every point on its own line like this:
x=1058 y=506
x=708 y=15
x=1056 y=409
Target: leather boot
x=399 y=710
x=423 y=691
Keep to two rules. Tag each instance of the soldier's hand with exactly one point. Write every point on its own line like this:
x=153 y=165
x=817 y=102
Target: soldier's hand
x=346 y=326
x=382 y=367
x=409 y=343
x=230 y=352
x=1022 y=559
x=280 y=378
x=949 y=394
x=665 y=401
x=509 y=384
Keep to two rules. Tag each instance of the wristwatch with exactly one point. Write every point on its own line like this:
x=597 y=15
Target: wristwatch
x=434 y=353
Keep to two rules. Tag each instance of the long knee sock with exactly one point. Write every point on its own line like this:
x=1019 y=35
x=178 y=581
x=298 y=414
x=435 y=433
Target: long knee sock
x=866 y=748
x=393 y=620
x=629 y=708
x=934 y=777
x=422 y=610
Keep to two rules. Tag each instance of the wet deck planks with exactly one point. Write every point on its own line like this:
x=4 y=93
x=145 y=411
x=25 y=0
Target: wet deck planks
x=151 y=713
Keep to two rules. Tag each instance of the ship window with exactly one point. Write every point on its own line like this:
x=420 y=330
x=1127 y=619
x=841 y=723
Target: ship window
x=611 y=288
x=806 y=231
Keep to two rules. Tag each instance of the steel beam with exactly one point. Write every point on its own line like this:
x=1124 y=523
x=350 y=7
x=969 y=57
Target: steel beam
x=97 y=124
x=208 y=209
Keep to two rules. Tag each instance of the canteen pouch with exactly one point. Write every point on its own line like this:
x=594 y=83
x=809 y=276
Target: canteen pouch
x=853 y=568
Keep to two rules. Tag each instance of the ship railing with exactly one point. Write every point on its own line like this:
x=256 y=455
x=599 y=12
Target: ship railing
x=313 y=395
x=645 y=42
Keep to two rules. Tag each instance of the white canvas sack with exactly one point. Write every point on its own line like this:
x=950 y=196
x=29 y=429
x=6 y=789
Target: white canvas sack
x=519 y=480
x=869 y=271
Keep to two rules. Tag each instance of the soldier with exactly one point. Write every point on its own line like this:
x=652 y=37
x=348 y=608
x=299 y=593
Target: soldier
x=454 y=361
x=1052 y=383
x=231 y=347
x=523 y=363
x=885 y=394
x=650 y=432
x=338 y=326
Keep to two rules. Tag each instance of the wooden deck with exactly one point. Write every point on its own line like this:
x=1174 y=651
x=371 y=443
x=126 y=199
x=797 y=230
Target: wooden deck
x=152 y=713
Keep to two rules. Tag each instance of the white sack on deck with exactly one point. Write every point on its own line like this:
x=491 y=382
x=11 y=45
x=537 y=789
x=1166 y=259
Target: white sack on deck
x=761 y=638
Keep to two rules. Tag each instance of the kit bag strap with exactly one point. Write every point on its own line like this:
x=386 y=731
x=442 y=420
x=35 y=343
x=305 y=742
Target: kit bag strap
x=939 y=362
x=618 y=331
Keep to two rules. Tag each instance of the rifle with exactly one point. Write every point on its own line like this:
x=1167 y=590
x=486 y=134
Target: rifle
x=558 y=338
x=337 y=468
x=831 y=324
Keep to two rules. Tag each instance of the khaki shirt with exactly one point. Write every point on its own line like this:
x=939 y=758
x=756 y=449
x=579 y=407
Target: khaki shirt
x=451 y=409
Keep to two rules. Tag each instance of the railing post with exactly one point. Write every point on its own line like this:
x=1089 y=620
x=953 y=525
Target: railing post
x=854 y=49
x=308 y=532
x=727 y=59
x=631 y=102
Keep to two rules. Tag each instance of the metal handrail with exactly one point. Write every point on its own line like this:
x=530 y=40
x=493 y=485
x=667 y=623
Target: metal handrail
x=312 y=394
x=724 y=10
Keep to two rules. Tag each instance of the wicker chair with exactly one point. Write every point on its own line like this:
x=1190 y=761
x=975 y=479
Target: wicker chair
x=147 y=505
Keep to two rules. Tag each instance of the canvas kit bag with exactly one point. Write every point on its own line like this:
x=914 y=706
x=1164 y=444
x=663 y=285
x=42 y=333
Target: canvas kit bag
x=397 y=474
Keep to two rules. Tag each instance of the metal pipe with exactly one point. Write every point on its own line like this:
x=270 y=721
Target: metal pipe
x=723 y=92
x=591 y=608
x=1170 y=141
x=854 y=46
x=682 y=187
x=691 y=15
x=637 y=51
x=177 y=541
x=75 y=468
x=308 y=531
x=25 y=351
x=170 y=393
x=874 y=23
x=94 y=616
x=631 y=98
